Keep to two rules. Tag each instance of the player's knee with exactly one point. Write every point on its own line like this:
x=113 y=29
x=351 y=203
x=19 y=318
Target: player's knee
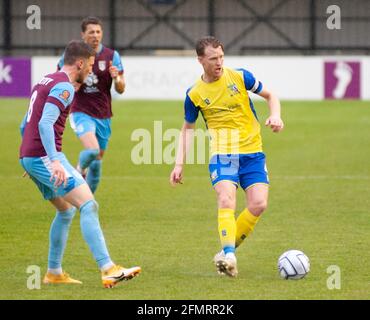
x=91 y=153
x=89 y=206
x=87 y=156
x=67 y=215
x=95 y=167
x=226 y=200
x=94 y=153
x=257 y=207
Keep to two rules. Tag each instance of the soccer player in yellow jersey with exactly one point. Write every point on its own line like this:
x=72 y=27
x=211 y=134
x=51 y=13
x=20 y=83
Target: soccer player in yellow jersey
x=221 y=95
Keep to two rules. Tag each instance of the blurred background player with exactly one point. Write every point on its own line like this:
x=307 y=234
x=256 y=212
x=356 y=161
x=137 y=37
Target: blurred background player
x=91 y=110
x=41 y=157
x=221 y=94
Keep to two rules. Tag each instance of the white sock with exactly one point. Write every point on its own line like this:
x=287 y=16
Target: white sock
x=55 y=271
x=107 y=266
x=231 y=256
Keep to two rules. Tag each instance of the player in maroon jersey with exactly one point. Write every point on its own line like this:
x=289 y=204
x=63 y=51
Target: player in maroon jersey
x=42 y=158
x=91 y=110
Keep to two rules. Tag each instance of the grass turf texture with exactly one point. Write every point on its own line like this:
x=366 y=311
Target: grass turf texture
x=319 y=203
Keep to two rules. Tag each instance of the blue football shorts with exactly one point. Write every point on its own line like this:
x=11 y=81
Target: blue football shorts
x=39 y=170
x=244 y=169
x=82 y=123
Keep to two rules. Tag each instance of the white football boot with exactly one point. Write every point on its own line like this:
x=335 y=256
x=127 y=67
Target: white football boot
x=226 y=264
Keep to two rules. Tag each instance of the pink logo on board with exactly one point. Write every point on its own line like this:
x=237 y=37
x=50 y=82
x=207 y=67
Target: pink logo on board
x=342 y=80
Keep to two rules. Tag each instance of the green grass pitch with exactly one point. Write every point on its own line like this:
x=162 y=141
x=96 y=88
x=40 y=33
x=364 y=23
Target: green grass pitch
x=319 y=202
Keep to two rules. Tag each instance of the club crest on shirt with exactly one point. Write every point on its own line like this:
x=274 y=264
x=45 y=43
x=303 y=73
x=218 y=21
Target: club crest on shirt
x=65 y=95
x=233 y=89
x=102 y=64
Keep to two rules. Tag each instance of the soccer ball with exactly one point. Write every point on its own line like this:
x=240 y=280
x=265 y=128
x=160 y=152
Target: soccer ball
x=293 y=264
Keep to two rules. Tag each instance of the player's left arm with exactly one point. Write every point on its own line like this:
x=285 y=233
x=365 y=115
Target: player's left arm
x=116 y=72
x=252 y=84
x=274 y=121
x=59 y=98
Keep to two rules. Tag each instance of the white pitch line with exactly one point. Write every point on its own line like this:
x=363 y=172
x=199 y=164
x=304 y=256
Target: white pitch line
x=166 y=177
x=346 y=177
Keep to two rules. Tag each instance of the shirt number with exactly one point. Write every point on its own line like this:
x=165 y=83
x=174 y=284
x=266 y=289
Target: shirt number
x=30 y=108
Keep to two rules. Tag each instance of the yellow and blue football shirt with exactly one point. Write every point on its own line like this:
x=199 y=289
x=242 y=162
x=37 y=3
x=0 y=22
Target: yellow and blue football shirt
x=227 y=111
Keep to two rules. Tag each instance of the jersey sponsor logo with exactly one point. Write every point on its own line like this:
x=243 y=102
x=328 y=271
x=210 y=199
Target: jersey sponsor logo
x=91 y=82
x=233 y=89
x=91 y=79
x=65 y=95
x=233 y=107
x=102 y=64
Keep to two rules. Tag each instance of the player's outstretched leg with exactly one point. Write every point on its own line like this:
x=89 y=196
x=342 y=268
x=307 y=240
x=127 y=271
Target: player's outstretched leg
x=94 y=174
x=58 y=239
x=244 y=226
x=256 y=196
x=93 y=235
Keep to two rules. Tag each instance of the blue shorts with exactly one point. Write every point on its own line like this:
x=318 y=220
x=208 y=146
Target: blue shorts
x=243 y=169
x=39 y=171
x=82 y=123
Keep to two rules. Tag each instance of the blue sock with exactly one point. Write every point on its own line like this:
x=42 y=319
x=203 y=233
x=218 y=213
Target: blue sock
x=58 y=237
x=93 y=175
x=87 y=156
x=92 y=232
x=229 y=250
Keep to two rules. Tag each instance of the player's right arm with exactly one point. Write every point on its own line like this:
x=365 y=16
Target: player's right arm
x=185 y=140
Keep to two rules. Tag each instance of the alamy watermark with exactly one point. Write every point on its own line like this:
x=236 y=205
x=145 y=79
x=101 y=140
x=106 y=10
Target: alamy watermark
x=34 y=280
x=333 y=22
x=334 y=280
x=34 y=19
x=160 y=146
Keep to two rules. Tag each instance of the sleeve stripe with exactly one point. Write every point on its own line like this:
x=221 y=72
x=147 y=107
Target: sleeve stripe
x=255 y=86
x=55 y=101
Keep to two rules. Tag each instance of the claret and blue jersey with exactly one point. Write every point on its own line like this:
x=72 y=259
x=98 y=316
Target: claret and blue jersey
x=50 y=97
x=42 y=130
x=94 y=97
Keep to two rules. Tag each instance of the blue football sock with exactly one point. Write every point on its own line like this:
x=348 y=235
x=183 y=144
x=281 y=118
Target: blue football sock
x=92 y=232
x=93 y=175
x=87 y=156
x=58 y=237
